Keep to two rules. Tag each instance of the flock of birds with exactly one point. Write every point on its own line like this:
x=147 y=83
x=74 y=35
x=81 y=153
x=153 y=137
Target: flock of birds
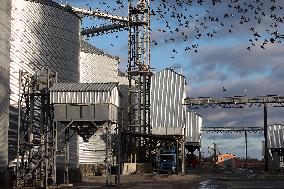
x=195 y=21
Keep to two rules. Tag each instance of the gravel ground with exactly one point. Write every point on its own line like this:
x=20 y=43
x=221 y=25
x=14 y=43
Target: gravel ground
x=193 y=179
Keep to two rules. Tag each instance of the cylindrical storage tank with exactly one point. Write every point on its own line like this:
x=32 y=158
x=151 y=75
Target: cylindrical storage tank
x=193 y=128
x=167 y=109
x=5 y=15
x=275 y=136
x=43 y=34
x=97 y=66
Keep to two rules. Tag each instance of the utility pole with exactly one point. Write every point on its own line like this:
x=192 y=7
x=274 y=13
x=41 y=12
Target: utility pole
x=214 y=153
x=265 y=137
x=246 y=141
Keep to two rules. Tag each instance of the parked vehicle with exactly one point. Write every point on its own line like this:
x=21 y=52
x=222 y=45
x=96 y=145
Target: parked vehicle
x=167 y=163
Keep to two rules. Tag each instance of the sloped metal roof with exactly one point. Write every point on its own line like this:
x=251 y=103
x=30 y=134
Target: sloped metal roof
x=83 y=87
x=88 y=48
x=54 y=4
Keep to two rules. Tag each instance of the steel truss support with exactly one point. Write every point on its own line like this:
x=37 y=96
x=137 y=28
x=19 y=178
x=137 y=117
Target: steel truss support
x=234 y=102
x=232 y=129
x=240 y=102
x=62 y=148
x=238 y=130
x=101 y=30
x=91 y=13
x=35 y=138
x=139 y=73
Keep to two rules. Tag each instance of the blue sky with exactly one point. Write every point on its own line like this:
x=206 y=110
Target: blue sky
x=231 y=58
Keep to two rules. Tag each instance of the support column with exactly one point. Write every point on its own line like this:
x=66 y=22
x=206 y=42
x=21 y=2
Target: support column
x=182 y=157
x=246 y=141
x=66 y=163
x=199 y=158
x=54 y=150
x=177 y=155
x=265 y=138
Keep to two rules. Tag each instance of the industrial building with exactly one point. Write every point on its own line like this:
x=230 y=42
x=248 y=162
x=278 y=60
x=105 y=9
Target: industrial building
x=43 y=35
x=75 y=107
x=226 y=160
x=168 y=114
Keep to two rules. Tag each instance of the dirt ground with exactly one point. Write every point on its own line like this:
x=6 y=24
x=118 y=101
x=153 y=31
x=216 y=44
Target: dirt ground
x=193 y=179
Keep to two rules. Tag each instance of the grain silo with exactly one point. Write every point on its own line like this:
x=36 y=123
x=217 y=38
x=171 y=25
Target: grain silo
x=43 y=35
x=97 y=66
x=167 y=110
x=5 y=11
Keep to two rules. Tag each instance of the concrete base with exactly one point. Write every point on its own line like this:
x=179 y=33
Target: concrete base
x=129 y=168
x=75 y=176
x=6 y=179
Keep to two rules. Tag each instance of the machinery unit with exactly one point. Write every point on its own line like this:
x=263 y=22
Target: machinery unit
x=84 y=109
x=5 y=11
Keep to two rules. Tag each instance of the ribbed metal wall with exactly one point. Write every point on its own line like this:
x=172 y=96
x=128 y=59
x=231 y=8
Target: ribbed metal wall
x=43 y=34
x=123 y=101
x=5 y=12
x=94 y=151
x=193 y=128
x=167 y=94
x=92 y=97
x=275 y=136
x=97 y=66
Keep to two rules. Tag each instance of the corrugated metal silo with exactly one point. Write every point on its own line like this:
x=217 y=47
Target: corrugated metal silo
x=97 y=66
x=193 y=128
x=43 y=34
x=5 y=12
x=275 y=136
x=167 y=110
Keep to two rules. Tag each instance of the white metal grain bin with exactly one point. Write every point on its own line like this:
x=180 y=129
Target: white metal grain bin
x=5 y=12
x=167 y=95
x=43 y=34
x=275 y=136
x=193 y=128
x=91 y=152
x=97 y=66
